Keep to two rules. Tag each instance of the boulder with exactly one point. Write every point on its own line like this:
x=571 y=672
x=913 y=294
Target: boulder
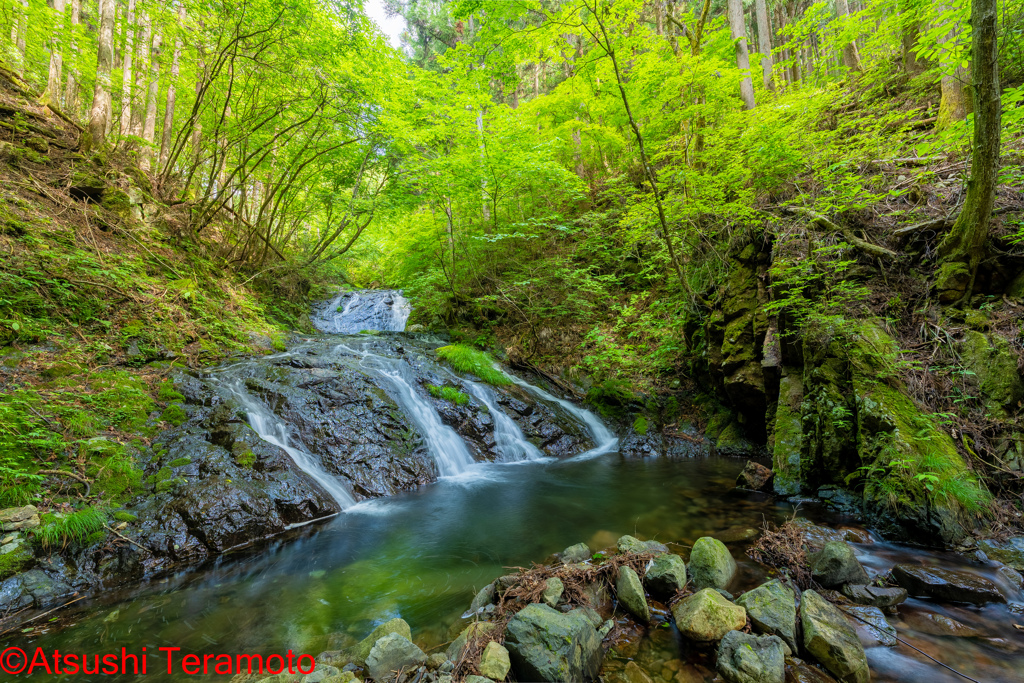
x=494 y=662
x=547 y=645
x=473 y=678
x=816 y=536
x=829 y=638
x=1010 y=552
x=946 y=584
x=940 y=625
x=576 y=553
x=666 y=575
x=13 y=519
x=772 y=611
x=870 y=625
x=483 y=598
x=745 y=658
x=629 y=544
x=755 y=477
x=454 y=651
x=361 y=651
x=552 y=591
x=634 y=674
x=874 y=596
x=707 y=616
x=799 y=671
x=631 y=594
x=711 y=564
x=436 y=661
x=835 y=564
x=392 y=653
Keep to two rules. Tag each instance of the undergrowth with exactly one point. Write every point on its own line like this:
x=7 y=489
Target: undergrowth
x=448 y=394
x=467 y=359
x=76 y=527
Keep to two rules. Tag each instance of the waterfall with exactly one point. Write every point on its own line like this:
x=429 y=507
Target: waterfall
x=384 y=310
x=274 y=430
x=512 y=445
x=603 y=438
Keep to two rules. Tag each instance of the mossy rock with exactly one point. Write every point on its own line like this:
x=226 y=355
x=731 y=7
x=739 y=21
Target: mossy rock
x=169 y=484
x=118 y=202
x=951 y=280
x=994 y=363
x=58 y=370
x=16 y=561
x=789 y=435
x=125 y=517
x=174 y=414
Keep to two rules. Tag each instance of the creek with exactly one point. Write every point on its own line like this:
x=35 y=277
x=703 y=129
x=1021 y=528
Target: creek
x=422 y=554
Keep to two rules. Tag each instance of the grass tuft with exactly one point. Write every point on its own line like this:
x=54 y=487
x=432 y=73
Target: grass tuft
x=448 y=394
x=467 y=359
x=76 y=527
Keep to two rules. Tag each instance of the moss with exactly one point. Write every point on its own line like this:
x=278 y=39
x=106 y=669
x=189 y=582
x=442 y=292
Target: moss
x=180 y=462
x=245 y=458
x=951 y=279
x=95 y=537
x=448 y=394
x=159 y=477
x=125 y=517
x=994 y=363
x=467 y=359
x=789 y=435
x=167 y=392
x=16 y=561
x=58 y=370
x=612 y=398
x=169 y=484
x=640 y=425
x=71 y=528
x=174 y=414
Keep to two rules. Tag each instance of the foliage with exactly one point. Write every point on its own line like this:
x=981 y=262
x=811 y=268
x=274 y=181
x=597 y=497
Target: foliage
x=448 y=393
x=467 y=359
x=75 y=527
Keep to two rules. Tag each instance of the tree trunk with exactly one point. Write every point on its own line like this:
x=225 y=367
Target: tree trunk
x=149 y=127
x=851 y=57
x=19 y=32
x=71 y=87
x=483 y=167
x=142 y=51
x=964 y=246
x=954 y=105
x=764 y=42
x=56 y=58
x=910 y=29
x=739 y=37
x=165 y=143
x=126 y=69
x=99 y=116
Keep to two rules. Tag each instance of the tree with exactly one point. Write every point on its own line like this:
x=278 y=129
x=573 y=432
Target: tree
x=53 y=85
x=764 y=41
x=964 y=246
x=149 y=125
x=165 y=140
x=71 y=87
x=99 y=115
x=851 y=56
x=126 y=69
x=737 y=25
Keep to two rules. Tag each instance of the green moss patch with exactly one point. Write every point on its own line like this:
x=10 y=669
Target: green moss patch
x=448 y=394
x=174 y=415
x=467 y=359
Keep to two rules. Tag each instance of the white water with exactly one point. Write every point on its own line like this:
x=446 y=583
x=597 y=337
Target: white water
x=512 y=445
x=273 y=430
x=384 y=310
x=605 y=441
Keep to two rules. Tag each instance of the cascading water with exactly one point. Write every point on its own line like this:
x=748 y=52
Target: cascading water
x=603 y=437
x=273 y=430
x=372 y=309
x=512 y=445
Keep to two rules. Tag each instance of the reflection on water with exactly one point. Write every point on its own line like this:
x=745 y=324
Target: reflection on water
x=422 y=556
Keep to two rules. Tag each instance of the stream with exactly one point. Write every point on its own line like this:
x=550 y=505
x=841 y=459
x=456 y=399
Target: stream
x=421 y=555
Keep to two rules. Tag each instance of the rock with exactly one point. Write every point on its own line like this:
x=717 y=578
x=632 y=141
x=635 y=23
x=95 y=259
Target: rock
x=830 y=639
x=1008 y=574
x=875 y=596
x=711 y=564
x=666 y=575
x=940 y=625
x=552 y=591
x=755 y=477
x=871 y=626
x=707 y=616
x=744 y=658
x=343 y=677
x=576 y=553
x=1010 y=552
x=436 y=661
x=772 y=611
x=835 y=564
x=946 y=584
x=415 y=328
x=483 y=598
x=32 y=588
x=629 y=544
x=13 y=519
x=547 y=645
x=362 y=650
x=816 y=536
x=473 y=678
x=634 y=674
x=737 y=534
x=323 y=674
x=494 y=662
x=799 y=671
x=631 y=593
x=393 y=652
x=454 y=651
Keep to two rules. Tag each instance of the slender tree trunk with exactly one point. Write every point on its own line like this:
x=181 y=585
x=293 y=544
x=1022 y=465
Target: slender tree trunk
x=964 y=246
x=483 y=168
x=126 y=69
x=19 y=33
x=739 y=36
x=851 y=57
x=910 y=29
x=99 y=116
x=764 y=39
x=165 y=143
x=53 y=88
x=142 y=53
x=149 y=127
x=71 y=87
x=954 y=105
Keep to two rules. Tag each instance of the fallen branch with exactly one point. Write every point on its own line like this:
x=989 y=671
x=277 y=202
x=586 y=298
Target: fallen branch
x=939 y=223
x=64 y=117
x=71 y=475
x=125 y=538
x=856 y=242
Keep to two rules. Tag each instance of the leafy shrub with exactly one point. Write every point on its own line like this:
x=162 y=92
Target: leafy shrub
x=467 y=359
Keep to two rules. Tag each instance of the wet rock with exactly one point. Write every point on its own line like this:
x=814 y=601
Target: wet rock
x=454 y=651
x=436 y=661
x=772 y=611
x=576 y=553
x=33 y=588
x=666 y=575
x=871 y=625
x=19 y=518
x=711 y=564
x=799 y=671
x=634 y=674
x=629 y=544
x=552 y=591
x=484 y=597
x=1011 y=576
x=874 y=596
x=744 y=658
x=1010 y=552
x=393 y=653
x=737 y=534
x=835 y=564
x=946 y=584
x=707 y=616
x=856 y=535
x=478 y=679
x=631 y=593
x=816 y=536
x=494 y=662
x=830 y=639
x=547 y=645
x=755 y=477
x=940 y=625
x=362 y=650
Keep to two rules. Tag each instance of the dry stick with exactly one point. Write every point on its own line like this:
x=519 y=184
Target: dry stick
x=946 y=666
x=125 y=538
x=866 y=247
x=62 y=473
x=38 y=616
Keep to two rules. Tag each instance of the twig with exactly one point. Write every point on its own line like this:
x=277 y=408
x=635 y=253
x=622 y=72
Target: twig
x=125 y=538
x=863 y=245
x=62 y=473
